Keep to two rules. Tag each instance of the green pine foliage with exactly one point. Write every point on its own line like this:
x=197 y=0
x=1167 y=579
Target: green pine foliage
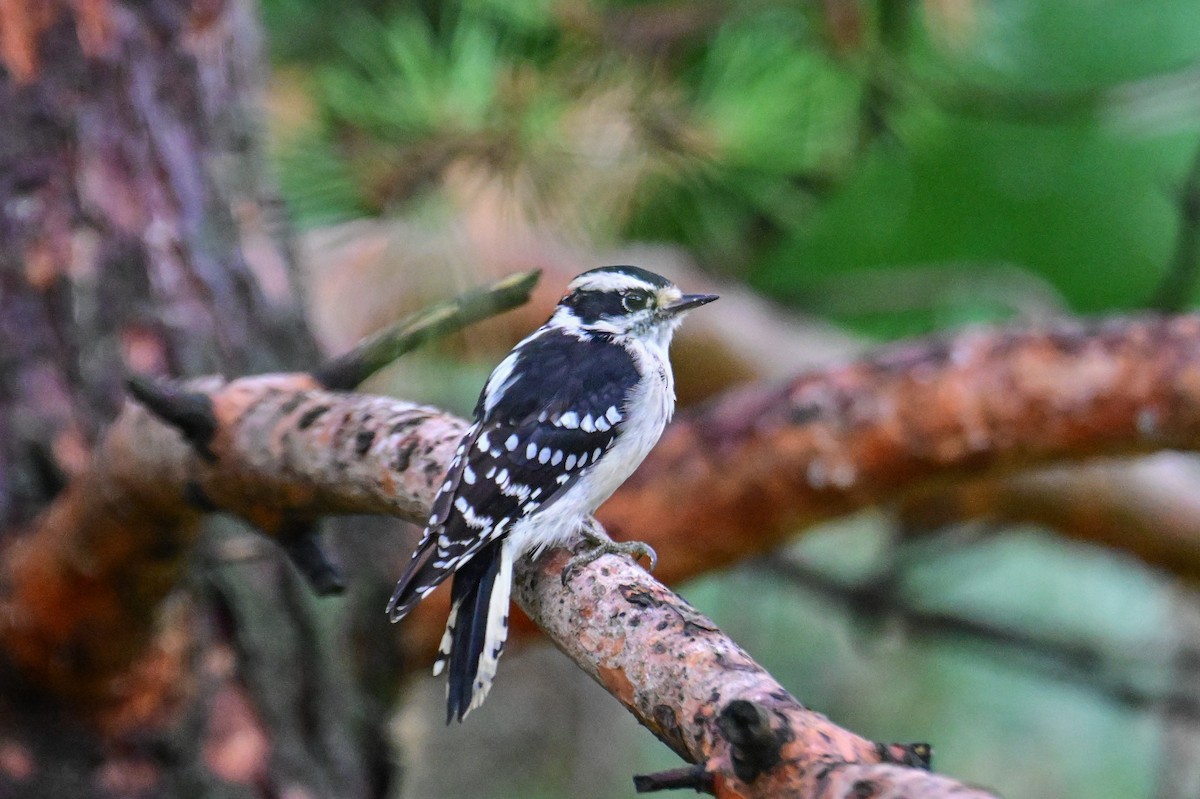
x=876 y=172
x=724 y=134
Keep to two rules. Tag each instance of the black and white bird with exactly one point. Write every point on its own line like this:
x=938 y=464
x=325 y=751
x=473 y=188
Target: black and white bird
x=564 y=419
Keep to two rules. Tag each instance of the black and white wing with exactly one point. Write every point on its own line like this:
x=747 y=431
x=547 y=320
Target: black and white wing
x=549 y=412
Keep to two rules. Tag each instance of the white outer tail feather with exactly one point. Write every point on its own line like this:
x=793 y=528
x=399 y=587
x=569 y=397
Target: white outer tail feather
x=447 y=640
x=495 y=634
x=497 y=628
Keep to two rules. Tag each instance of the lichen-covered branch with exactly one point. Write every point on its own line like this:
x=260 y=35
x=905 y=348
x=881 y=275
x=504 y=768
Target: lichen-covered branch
x=350 y=369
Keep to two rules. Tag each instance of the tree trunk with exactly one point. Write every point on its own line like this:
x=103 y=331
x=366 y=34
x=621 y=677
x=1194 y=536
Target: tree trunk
x=139 y=234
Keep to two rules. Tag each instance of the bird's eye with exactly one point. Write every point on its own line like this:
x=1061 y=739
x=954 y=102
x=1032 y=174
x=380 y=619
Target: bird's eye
x=636 y=301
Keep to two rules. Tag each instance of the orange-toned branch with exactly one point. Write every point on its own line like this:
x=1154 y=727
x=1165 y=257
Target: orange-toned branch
x=703 y=696
x=741 y=475
x=82 y=586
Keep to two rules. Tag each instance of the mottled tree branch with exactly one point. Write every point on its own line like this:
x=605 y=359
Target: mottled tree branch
x=89 y=576
x=285 y=451
x=702 y=695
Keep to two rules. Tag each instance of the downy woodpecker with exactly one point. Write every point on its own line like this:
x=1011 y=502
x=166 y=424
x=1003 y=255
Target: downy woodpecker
x=561 y=423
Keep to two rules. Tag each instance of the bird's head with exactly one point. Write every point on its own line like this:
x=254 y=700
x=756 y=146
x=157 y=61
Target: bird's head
x=625 y=301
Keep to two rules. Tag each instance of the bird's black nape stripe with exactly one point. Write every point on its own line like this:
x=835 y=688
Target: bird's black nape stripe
x=473 y=584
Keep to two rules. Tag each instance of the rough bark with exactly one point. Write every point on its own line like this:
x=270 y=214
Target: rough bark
x=280 y=452
x=703 y=696
x=136 y=231
x=754 y=465
x=139 y=233
x=760 y=463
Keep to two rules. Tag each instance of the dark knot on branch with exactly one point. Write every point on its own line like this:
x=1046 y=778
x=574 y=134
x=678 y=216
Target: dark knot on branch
x=300 y=540
x=754 y=746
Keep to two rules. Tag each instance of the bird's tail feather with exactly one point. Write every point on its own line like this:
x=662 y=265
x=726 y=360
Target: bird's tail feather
x=476 y=629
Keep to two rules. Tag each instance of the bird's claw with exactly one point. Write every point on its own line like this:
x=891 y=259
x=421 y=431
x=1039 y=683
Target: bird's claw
x=597 y=546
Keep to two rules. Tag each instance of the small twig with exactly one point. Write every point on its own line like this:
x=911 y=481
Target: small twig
x=697 y=778
x=348 y=370
x=190 y=412
x=1077 y=663
x=1175 y=290
x=300 y=541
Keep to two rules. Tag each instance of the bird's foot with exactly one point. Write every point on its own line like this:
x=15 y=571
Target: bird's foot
x=598 y=543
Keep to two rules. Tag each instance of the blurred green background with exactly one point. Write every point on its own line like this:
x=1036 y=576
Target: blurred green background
x=893 y=167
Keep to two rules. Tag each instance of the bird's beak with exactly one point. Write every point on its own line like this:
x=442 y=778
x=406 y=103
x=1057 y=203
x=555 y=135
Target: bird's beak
x=687 y=302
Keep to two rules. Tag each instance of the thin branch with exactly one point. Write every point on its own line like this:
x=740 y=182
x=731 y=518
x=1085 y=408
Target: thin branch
x=693 y=777
x=190 y=412
x=1076 y=662
x=1148 y=508
x=1178 y=285
x=347 y=371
